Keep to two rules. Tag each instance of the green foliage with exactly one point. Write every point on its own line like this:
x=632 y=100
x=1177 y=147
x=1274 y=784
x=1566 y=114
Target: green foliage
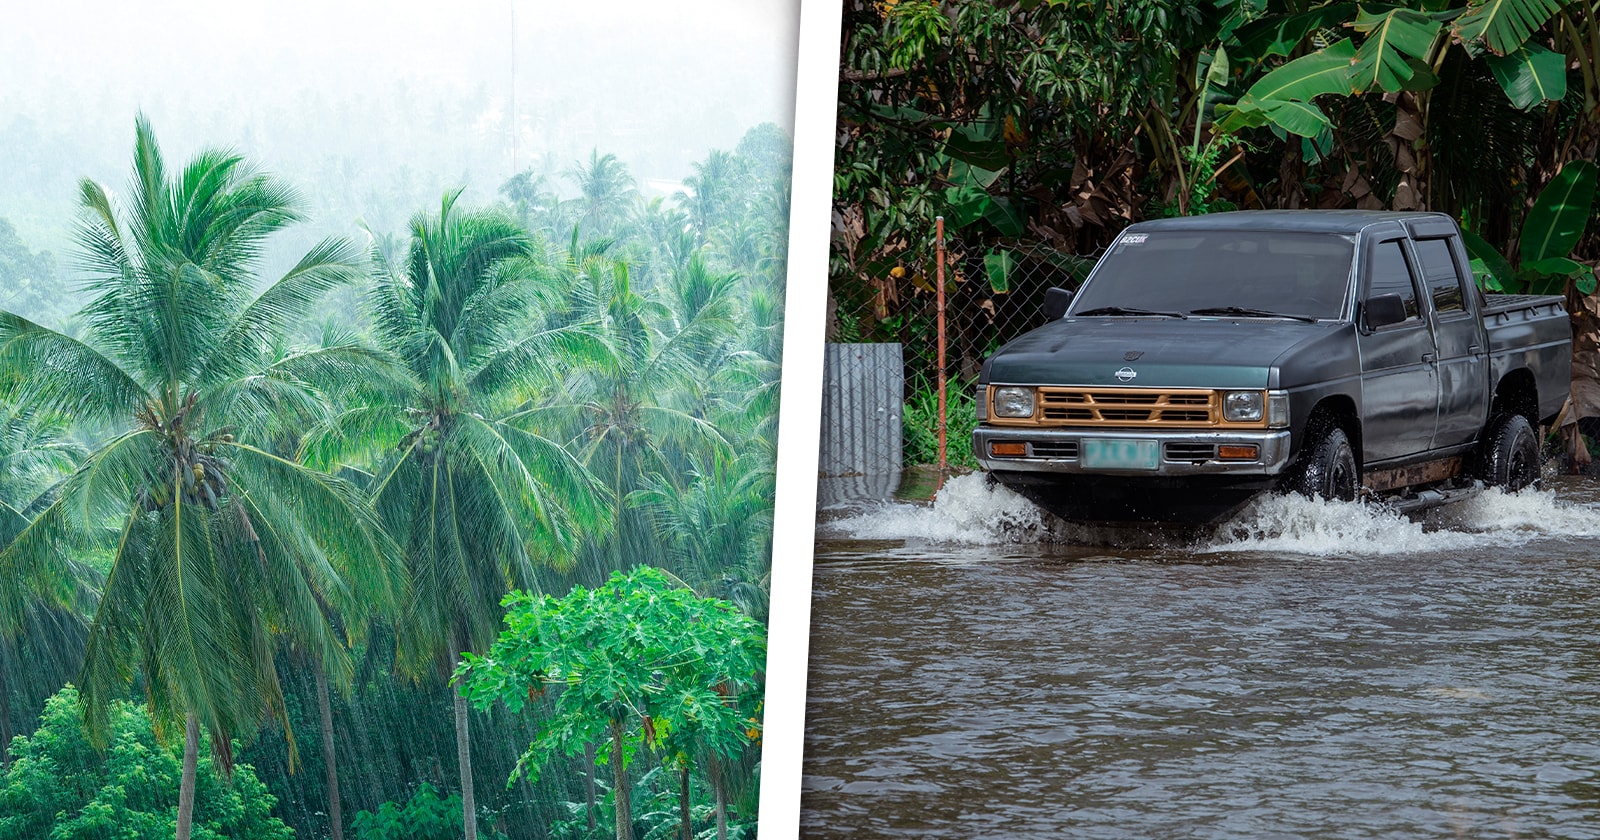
x=425 y=816
x=675 y=672
x=1531 y=76
x=221 y=549
x=1501 y=25
x=920 y=423
x=29 y=284
x=62 y=788
x=1551 y=230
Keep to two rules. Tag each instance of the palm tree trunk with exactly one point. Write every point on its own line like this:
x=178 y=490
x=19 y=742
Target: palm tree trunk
x=469 y=806
x=324 y=708
x=191 y=746
x=683 y=803
x=619 y=790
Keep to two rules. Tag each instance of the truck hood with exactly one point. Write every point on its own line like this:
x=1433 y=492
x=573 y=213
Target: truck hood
x=1160 y=352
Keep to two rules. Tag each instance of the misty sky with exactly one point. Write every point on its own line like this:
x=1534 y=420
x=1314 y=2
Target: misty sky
x=371 y=108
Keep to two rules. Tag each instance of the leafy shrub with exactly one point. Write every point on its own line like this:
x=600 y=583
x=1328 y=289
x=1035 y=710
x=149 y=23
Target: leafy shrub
x=61 y=787
x=426 y=816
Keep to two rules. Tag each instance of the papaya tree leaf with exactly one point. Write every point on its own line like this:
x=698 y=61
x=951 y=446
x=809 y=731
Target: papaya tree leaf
x=1530 y=75
x=1560 y=213
x=1392 y=38
x=1497 y=266
x=1501 y=25
x=999 y=264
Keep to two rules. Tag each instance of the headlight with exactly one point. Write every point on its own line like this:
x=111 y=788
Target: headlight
x=1242 y=406
x=1013 y=402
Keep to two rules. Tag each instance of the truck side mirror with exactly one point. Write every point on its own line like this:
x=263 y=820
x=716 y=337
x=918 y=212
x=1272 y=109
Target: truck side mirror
x=1383 y=310
x=1056 y=301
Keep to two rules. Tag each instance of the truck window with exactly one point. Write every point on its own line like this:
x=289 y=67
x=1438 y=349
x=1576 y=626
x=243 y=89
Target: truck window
x=1440 y=275
x=1183 y=270
x=1392 y=276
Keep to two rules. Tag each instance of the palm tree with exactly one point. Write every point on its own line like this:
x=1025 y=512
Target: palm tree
x=633 y=414
x=476 y=504
x=219 y=548
x=710 y=191
x=606 y=192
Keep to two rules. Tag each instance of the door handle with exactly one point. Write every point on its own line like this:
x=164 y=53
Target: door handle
x=1428 y=357
x=1473 y=348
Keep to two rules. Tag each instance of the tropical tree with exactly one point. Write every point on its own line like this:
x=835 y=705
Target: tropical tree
x=61 y=786
x=476 y=504
x=606 y=191
x=639 y=661
x=626 y=414
x=220 y=549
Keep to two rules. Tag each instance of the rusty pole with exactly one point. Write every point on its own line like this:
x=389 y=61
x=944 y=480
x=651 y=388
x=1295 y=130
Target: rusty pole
x=939 y=280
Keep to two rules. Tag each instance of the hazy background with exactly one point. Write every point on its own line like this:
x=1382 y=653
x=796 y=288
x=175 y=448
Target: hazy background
x=373 y=109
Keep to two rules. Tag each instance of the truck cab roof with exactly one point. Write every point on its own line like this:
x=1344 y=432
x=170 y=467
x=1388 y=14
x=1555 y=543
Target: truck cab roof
x=1347 y=222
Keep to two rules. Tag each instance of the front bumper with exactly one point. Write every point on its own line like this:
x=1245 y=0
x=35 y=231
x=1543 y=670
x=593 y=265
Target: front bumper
x=1183 y=453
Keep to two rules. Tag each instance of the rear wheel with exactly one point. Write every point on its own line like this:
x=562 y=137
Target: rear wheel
x=1511 y=454
x=1328 y=468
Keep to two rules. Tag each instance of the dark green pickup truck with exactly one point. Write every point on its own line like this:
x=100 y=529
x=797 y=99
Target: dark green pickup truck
x=1335 y=353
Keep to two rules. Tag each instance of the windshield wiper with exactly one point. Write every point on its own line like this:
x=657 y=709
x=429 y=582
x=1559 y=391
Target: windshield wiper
x=1125 y=310
x=1251 y=313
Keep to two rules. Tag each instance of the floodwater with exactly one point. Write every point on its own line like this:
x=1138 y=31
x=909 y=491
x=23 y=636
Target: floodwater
x=1313 y=670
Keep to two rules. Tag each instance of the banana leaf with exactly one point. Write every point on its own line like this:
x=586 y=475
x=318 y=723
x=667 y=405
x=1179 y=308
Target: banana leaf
x=1530 y=75
x=1559 y=214
x=1496 y=266
x=1502 y=25
x=1392 y=38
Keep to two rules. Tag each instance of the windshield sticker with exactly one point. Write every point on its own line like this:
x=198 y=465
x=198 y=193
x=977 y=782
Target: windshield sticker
x=1134 y=239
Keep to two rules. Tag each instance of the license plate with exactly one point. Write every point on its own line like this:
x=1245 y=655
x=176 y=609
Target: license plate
x=1120 y=454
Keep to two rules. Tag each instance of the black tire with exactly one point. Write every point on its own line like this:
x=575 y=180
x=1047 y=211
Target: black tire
x=1511 y=454
x=1328 y=468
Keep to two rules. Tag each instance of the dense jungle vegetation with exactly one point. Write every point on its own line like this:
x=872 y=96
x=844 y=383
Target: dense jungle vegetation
x=1040 y=128
x=259 y=535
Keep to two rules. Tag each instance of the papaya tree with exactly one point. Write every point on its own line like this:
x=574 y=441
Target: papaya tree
x=637 y=662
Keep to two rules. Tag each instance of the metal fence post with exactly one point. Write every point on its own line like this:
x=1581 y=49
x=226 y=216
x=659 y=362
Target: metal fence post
x=939 y=279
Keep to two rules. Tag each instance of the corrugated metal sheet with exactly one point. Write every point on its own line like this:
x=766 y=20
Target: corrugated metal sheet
x=863 y=393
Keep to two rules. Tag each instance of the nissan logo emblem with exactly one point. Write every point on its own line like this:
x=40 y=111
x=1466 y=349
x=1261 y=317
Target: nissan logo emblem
x=1126 y=374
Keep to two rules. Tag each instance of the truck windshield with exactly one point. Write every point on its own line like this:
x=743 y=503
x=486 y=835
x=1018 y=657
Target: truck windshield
x=1221 y=272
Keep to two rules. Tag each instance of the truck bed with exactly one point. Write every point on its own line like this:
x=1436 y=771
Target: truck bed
x=1532 y=332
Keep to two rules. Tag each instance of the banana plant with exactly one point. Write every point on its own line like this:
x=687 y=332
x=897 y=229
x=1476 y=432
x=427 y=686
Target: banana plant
x=1550 y=231
x=1400 y=49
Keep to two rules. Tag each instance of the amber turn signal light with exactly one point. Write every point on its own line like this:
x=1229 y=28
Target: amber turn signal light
x=1237 y=453
x=1008 y=449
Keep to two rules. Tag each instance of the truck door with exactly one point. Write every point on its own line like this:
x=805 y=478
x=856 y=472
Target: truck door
x=1462 y=360
x=1399 y=373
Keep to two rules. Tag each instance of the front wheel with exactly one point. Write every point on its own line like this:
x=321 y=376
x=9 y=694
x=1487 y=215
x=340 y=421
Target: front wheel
x=1328 y=468
x=1511 y=454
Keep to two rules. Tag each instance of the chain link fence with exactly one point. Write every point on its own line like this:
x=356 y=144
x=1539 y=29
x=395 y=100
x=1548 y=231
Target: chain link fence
x=993 y=293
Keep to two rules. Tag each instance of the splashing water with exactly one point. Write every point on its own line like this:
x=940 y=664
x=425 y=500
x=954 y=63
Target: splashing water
x=970 y=511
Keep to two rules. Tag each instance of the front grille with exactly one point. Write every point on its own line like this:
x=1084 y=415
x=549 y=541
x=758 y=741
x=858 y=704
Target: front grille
x=1195 y=452
x=1127 y=407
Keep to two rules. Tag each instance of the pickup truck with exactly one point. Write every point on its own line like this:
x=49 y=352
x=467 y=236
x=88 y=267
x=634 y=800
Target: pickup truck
x=1335 y=353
